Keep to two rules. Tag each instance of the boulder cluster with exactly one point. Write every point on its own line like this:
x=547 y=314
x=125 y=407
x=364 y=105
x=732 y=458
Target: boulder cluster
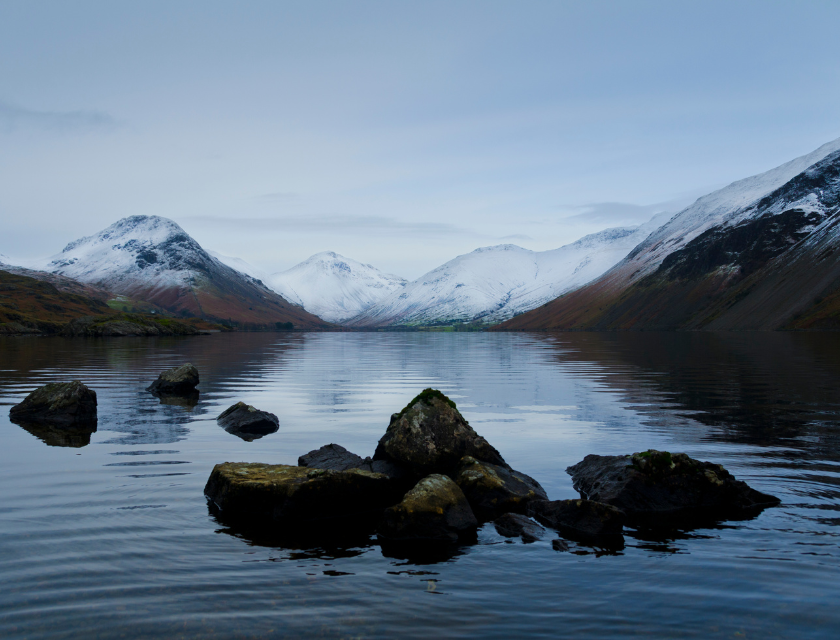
x=433 y=480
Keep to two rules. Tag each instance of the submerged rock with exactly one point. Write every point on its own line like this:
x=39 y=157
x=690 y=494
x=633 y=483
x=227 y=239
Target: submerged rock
x=559 y=545
x=657 y=482
x=493 y=490
x=176 y=381
x=431 y=436
x=295 y=495
x=515 y=525
x=434 y=510
x=582 y=520
x=331 y=456
x=59 y=404
x=247 y=422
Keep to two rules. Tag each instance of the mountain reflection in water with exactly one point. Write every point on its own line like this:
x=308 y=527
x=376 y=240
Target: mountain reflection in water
x=109 y=534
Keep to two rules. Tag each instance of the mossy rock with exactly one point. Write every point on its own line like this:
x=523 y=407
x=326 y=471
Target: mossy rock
x=59 y=404
x=431 y=436
x=493 y=490
x=434 y=510
x=289 y=495
x=180 y=380
x=659 y=482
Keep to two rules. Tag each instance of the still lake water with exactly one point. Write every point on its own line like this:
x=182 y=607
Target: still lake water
x=114 y=538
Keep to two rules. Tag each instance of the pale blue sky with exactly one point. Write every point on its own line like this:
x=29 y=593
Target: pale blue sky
x=396 y=133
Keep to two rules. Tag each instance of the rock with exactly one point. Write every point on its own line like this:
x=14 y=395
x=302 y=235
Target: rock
x=430 y=436
x=559 y=545
x=392 y=470
x=581 y=520
x=331 y=456
x=246 y=422
x=657 y=482
x=515 y=525
x=435 y=510
x=295 y=495
x=493 y=490
x=176 y=381
x=59 y=404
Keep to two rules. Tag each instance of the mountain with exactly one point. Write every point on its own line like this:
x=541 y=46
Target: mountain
x=32 y=305
x=151 y=259
x=756 y=255
x=333 y=287
x=493 y=284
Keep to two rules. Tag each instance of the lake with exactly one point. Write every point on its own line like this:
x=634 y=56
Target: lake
x=108 y=535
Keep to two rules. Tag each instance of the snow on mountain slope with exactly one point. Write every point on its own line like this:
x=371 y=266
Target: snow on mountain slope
x=729 y=205
x=493 y=284
x=767 y=265
x=333 y=287
x=241 y=266
x=152 y=259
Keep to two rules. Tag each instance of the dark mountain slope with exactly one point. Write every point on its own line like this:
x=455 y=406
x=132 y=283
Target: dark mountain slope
x=776 y=267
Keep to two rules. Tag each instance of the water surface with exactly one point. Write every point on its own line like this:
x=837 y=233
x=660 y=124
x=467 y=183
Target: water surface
x=108 y=534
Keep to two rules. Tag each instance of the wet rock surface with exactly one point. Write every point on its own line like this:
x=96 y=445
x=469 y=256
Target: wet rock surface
x=515 y=525
x=656 y=483
x=294 y=495
x=431 y=436
x=434 y=510
x=582 y=520
x=58 y=404
x=247 y=422
x=331 y=456
x=432 y=480
x=493 y=490
x=176 y=381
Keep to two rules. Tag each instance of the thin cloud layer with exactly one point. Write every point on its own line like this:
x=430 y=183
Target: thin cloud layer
x=13 y=117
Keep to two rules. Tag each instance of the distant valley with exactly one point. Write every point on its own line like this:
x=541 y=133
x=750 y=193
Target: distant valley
x=759 y=254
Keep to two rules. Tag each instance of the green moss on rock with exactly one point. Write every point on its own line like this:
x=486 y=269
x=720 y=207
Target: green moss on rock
x=426 y=396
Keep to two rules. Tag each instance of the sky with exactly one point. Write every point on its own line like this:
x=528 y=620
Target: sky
x=400 y=134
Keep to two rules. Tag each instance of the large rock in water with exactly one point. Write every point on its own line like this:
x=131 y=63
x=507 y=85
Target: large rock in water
x=176 y=381
x=515 y=525
x=584 y=521
x=295 y=495
x=247 y=422
x=434 y=510
x=657 y=483
x=336 y=457
x=59 y=404
x=430 y=436
x=493 y=490
x=331 y=456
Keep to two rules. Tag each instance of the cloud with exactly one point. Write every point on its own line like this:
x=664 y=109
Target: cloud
x=278 y=195
x=352 y=224
x=615 y=213
x=13 y=117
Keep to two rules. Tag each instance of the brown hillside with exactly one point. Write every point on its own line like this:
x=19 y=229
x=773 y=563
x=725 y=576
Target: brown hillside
x=31 y=305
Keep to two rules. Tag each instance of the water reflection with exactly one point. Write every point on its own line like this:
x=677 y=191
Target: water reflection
x=187 y=401
x=132 y=549
x=75 y=437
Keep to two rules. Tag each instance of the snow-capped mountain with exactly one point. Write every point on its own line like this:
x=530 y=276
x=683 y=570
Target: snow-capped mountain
x=493 y=284
x=757 y=255
x=154 y=260
x=725 y=206
x=333 y=287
